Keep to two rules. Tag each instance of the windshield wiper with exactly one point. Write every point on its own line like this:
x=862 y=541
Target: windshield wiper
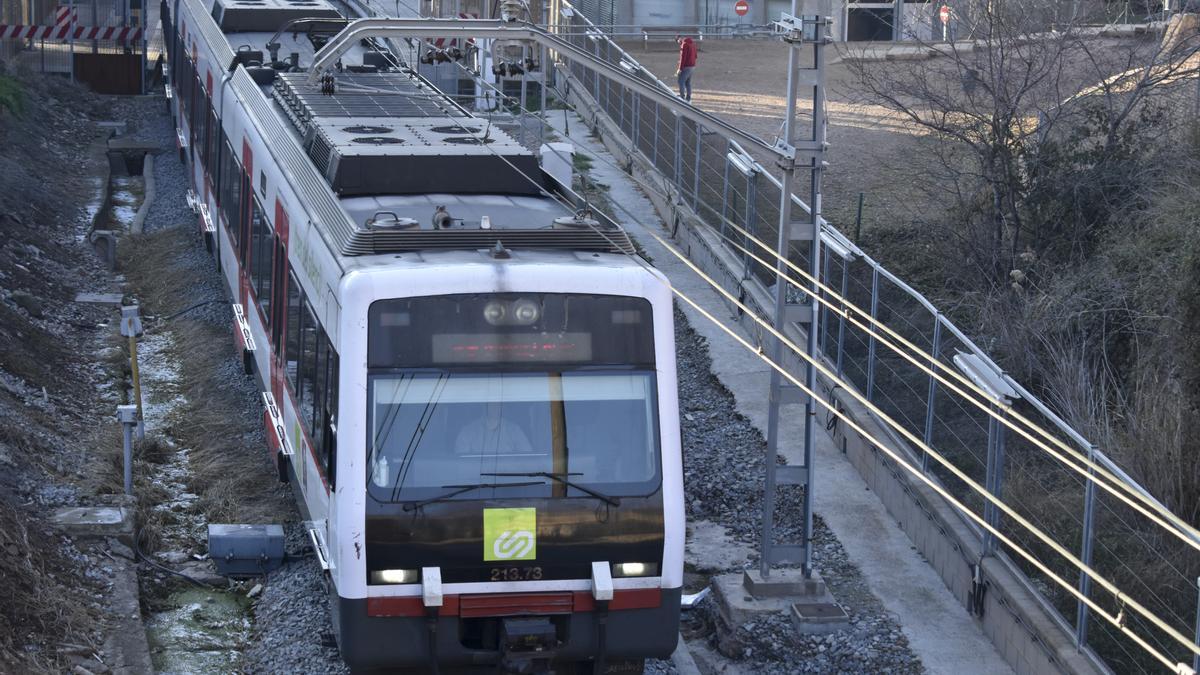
x=459 y=489
x=561 y=478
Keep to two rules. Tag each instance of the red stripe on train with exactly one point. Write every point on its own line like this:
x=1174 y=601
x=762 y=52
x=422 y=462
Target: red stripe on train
x=514 y=604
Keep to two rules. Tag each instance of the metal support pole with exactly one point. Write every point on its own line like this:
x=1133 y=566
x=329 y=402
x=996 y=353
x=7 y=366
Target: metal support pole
x=935 y=353
x=524 y=94
x=129 y=417
x=814 y=257
x=545 y=75
x=131 y=328
x=871 y=339
x=785 y=236
x=1082 y=611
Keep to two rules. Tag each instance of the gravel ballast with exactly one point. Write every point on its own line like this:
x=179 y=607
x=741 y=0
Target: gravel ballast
x=723 y=469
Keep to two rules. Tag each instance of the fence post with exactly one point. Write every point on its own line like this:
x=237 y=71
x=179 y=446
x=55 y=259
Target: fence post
x=841 y=351
x=654 y=154
x=1195 y=656
x=725 y=192
x=824 y=309
x=871 y=339
x=595 y=75
x=935 y=354
x=635 y=124
x=696 y=178
x=1082 y=611
x=678 y=159
x=994 y=481
x=751 y=216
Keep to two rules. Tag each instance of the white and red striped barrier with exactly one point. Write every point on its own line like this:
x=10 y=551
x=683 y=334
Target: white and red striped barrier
x=117 y=33
x=64 y=30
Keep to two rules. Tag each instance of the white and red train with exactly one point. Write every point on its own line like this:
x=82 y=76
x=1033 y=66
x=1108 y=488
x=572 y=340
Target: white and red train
x=470 y=386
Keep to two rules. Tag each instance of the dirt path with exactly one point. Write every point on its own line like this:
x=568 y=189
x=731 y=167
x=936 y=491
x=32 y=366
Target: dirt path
x=745 y=82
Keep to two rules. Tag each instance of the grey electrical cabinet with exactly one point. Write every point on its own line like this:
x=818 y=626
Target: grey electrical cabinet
x=245 y=550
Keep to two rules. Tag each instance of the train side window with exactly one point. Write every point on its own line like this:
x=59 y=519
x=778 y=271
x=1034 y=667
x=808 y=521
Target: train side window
x=243 y=223
x=214 y=142
x=320 y=380
x=309 y=332
x=206 y=133
x=291 y=349
x=232 y=197
x=278 y=301
x=262 y=253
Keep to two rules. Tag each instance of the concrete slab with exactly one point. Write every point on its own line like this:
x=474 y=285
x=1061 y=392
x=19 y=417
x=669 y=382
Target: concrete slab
x=99 y=298
x=938 y=628
x=788 y=583
x=96 y=522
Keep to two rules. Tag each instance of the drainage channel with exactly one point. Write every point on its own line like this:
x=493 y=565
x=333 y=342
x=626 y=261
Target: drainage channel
x=195 y=621
x=201 y=623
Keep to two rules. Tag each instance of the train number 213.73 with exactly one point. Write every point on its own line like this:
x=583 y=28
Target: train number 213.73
x=516 y=573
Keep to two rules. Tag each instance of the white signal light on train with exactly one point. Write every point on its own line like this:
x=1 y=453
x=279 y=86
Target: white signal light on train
x=495 y=312
x=634 y=569
x=394 y=576
x=526 y=312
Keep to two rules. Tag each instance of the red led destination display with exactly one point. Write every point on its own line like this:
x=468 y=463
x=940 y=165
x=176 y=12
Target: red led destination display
x=511 y=347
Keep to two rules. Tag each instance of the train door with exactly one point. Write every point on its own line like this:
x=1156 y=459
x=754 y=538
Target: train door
x=279 y=307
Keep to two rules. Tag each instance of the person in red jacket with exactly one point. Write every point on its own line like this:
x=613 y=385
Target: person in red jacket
x=687 y=63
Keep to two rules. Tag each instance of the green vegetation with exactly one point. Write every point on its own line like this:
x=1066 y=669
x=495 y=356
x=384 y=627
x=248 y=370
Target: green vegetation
x=12 y=95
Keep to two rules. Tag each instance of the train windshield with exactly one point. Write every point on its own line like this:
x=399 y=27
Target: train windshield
x=434 y=432
x=501 y=389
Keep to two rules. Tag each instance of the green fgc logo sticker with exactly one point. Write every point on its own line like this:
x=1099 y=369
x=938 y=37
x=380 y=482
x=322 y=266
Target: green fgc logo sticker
x=509 y=534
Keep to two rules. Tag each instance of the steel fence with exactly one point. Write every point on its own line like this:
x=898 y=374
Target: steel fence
x=58 y=56
x=729 y=191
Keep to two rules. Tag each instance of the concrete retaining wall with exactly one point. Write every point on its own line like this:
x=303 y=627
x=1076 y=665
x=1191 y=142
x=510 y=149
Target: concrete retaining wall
x=1018 y=621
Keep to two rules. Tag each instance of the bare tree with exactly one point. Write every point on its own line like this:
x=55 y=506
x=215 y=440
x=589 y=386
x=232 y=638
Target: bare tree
x=1033 y=90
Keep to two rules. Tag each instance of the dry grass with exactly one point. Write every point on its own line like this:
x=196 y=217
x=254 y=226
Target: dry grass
x=37 y=578
x=230 y=469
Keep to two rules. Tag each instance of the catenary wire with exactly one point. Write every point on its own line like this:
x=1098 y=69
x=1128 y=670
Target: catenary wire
x=1121 y=597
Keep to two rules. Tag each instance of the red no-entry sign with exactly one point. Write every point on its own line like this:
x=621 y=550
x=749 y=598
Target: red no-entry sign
x=741 y=7
x=944 y=13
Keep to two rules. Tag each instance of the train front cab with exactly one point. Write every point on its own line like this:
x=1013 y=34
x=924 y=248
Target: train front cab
x=520 y=477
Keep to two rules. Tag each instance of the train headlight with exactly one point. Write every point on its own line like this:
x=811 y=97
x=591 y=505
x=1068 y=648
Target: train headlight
x=494 y=312
x=634 y=569
x=526 y=312
x=394 y=576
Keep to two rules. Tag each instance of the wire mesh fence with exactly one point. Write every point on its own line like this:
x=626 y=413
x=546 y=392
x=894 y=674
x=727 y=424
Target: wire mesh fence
x=95 y=41
x=973 y=454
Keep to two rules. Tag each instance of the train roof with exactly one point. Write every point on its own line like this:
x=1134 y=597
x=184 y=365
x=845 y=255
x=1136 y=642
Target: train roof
x=384 y=161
